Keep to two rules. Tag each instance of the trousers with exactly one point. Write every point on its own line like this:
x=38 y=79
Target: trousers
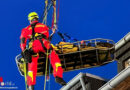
x=53 y=57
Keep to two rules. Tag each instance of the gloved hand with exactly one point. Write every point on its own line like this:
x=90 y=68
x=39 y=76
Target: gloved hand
x=26 y=54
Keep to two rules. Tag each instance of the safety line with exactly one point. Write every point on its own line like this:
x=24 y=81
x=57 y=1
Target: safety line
x=45 y=17
x=58 y=12
x=46 y=9
x=49 y=72
x=46 y=68
x=25 y=74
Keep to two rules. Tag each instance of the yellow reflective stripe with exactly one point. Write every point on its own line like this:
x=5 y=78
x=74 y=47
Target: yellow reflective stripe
x=30 y=28
x=57 y=65
x=40 y=25
x=30 y=73
x=36 y=26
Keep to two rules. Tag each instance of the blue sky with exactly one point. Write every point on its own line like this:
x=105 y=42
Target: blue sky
x=81 y=19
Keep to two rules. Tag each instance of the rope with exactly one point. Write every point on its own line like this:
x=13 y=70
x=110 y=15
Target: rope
x=54 y=14
x=54 y=6
x=25 y=74
x=45 y=20
x=45 y=14
x=53 y=23
x=49 y=73
x=58 y=11
x=70 y=38
x=46 y=69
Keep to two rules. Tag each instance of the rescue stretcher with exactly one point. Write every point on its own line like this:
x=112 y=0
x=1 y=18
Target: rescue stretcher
x=76 y=55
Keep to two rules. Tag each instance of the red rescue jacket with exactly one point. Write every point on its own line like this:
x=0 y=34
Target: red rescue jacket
x=27 y=33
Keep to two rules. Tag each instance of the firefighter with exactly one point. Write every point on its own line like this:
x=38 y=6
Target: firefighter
x=38 y=36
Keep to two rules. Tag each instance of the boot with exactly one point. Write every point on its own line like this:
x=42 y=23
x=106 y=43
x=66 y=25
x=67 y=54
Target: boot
x=60 y=81
x=31 y=87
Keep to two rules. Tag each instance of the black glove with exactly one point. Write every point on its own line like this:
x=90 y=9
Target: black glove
x=26 y=54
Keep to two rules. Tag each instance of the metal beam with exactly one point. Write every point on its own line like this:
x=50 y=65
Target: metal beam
x=73 y=81
x=116 y=80
x=122 y=41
